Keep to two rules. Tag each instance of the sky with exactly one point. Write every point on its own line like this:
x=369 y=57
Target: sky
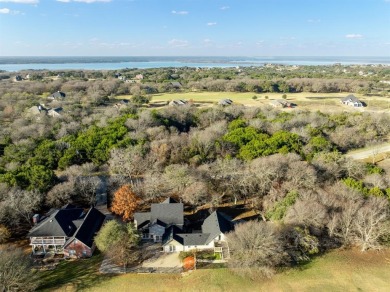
x=194 y=27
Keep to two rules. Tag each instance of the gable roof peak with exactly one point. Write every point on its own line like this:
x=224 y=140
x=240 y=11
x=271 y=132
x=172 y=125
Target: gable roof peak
x=169 y=200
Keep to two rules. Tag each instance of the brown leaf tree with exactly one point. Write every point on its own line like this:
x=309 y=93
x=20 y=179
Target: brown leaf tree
x=125 y=202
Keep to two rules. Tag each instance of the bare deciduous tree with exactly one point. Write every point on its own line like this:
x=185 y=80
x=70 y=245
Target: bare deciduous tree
x=256 y=249
x=61 y=194
x=87 y=188
x=371 y=222
x=23 y=204
x=178 y=177
x=16 y=272
x=129 y=162
x=196 y=194
x=5 y=234
x=300 y=214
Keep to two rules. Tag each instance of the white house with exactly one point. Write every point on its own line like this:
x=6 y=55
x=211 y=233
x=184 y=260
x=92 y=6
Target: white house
x=351 y=100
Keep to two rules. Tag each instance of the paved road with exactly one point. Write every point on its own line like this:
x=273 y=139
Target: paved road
x=367 y=153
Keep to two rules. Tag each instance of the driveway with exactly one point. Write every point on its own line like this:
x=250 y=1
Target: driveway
x=367 y=153
x=163 y=260
x=155 y=262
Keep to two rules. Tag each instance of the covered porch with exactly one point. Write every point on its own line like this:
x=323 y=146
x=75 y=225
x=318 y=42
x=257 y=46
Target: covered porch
x=43 y=245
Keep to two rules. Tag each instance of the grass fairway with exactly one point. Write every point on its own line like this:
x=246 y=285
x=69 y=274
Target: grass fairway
x=246 y=98
x=304 y=100
x=339 y=270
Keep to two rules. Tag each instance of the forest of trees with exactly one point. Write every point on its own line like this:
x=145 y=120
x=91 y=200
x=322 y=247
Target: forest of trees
x=276 y=162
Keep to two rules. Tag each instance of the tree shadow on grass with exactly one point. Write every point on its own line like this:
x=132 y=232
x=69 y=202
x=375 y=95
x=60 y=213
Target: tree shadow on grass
x=81 y=274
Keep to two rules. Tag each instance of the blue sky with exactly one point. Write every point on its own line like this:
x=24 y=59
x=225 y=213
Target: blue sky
x=195 y=27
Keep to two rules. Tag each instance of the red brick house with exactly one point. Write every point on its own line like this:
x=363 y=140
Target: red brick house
x=81 y=244
x=69 y=231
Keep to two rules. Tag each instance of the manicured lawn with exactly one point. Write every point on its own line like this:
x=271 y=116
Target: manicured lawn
x=336 y=271
x=73 y=275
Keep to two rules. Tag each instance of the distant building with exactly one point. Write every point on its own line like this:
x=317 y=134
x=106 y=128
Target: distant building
x=37 y=110
x=121 y=104
x=178 y=102
x=225 y=102
x=54 y=112
x=176 y=85
x=41 y=110
x=351 y=100
x=281 y=103
x=57 y=95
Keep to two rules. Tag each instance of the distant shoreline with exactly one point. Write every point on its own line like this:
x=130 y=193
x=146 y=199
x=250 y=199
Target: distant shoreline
x=15 y=63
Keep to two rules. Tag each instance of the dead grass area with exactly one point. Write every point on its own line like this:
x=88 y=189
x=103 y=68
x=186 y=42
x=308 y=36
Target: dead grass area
x=325 y=102
x=378 y=158
x=23 y=244
x=385 y=164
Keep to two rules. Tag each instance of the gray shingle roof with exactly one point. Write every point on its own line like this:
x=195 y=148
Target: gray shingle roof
x=90 y=226
x=176 y=84
x=186 y=239
x=141 y=218
x=216 y=224
x=168 y=212
x=58 y=223
x=169 y=200
x=193 y=238
x=350 y=97
x=171 y=213
x=225 y=101
x=171 y=233
x=57 y=94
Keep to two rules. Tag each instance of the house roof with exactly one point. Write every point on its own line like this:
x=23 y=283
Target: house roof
x=58 y=223
x=90 y=226
x=142 y=218
x=176 y=84
x=169 y=200
x=57 y=94
x=169 y=213
x=178 y=102
x=351 y=98
x=277 y=103
x=171 y=234
x=225 y=101
x=54 y=111
x=216 y=224
x=175 y=233
x=37 y=109
x=166 y=213
x=188 y=239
